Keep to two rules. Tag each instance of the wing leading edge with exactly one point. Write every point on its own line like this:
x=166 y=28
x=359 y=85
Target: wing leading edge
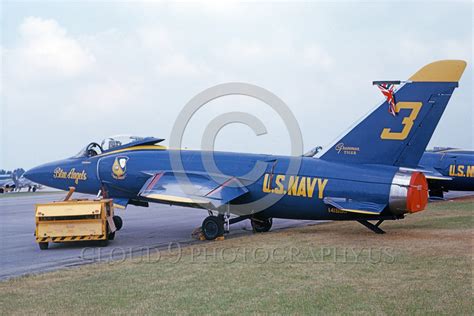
x=192 y=189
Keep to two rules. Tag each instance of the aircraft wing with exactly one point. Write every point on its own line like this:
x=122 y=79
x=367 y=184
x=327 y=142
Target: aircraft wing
x=353 y=206
x=198 y=190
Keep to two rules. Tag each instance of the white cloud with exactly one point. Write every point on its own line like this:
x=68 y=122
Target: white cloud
x=180 y=66
x=46 y=49
x=238 y=49
x=170 y=52
x=274 y=50
x=108 y=95
x=142 y=61
x=315 y=55
x=1 y=69
x=415 y=50
x=209 y=7
x=156 y=38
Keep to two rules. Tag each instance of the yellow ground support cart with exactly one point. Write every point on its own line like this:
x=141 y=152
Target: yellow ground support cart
x=76 y=220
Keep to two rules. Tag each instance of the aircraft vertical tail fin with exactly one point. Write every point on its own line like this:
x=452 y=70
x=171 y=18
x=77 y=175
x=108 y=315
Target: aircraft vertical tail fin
x=400 y=138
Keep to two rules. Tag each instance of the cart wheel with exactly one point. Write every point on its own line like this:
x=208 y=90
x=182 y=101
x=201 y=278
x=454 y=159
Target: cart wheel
x=43 y=245
x=118 y=222
x=111 y=236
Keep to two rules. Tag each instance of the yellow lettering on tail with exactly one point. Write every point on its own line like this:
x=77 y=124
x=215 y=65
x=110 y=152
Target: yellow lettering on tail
x=460 y=171
x=266 y=185
x=452 y=170
x=302 y=187
x=321 y=187
x=470 y=171
x=279 y=184
x=293 y=185
x=310 y=184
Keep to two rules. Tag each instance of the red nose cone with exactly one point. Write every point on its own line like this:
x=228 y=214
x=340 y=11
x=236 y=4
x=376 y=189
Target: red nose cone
x=417 y=193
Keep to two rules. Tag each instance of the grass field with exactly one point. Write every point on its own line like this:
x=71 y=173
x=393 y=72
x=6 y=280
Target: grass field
x=423 y=265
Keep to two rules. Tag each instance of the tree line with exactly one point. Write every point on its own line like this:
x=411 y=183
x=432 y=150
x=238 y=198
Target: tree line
x=18 y=172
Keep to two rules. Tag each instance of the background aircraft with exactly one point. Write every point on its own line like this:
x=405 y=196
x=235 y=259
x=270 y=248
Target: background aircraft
x=6 y=183
x=21 y=182
x=368 y=174
x=455 y=168
x=13 y=182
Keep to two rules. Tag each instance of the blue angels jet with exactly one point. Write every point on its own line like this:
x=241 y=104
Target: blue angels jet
x=450 y=170
x=369 y=174
x=6 y=183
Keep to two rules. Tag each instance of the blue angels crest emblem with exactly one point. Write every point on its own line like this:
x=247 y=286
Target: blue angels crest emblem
x=119 y=168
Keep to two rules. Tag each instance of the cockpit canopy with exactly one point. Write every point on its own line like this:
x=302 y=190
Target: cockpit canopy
x=115 y=142
x=118 y=141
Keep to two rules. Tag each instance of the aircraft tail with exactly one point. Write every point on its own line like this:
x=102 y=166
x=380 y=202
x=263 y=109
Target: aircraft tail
x=400 y=138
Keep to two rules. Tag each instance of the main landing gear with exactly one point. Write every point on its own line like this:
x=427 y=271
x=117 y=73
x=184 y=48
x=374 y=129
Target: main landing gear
x=261 y=225
x=214 y=227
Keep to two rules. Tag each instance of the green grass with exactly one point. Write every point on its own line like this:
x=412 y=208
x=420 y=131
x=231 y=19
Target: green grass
x=423 y=265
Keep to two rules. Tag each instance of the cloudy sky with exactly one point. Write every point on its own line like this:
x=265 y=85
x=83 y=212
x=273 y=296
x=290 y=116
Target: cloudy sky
x=76 y=72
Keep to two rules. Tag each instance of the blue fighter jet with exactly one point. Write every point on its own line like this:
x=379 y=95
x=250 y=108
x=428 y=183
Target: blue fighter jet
x=449 y=169
x=369 y=174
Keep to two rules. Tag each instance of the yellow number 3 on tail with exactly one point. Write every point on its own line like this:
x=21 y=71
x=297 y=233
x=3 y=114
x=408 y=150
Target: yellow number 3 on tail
x=407 y=122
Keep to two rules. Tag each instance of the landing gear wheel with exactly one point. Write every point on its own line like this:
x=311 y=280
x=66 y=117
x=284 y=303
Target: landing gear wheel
x=118 y=222
x=43 y=245
x=261 y=225
x=212 y=227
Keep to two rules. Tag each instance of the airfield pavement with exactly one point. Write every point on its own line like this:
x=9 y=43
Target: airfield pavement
x=423 y=265
x=145 y=229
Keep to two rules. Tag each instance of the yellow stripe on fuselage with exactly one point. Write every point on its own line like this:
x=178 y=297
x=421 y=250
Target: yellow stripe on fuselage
x=144 y=147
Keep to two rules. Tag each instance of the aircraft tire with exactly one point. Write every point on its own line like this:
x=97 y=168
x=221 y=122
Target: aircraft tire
x=212 y=227
x=261 y=225
x=43 y=245
x=118 y=222
x=34 y=189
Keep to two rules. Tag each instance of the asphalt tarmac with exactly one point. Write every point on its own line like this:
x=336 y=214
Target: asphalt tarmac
x=145 y=231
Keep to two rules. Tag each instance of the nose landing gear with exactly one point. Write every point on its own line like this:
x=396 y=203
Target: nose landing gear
x=118 y=222
x=213 y=227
